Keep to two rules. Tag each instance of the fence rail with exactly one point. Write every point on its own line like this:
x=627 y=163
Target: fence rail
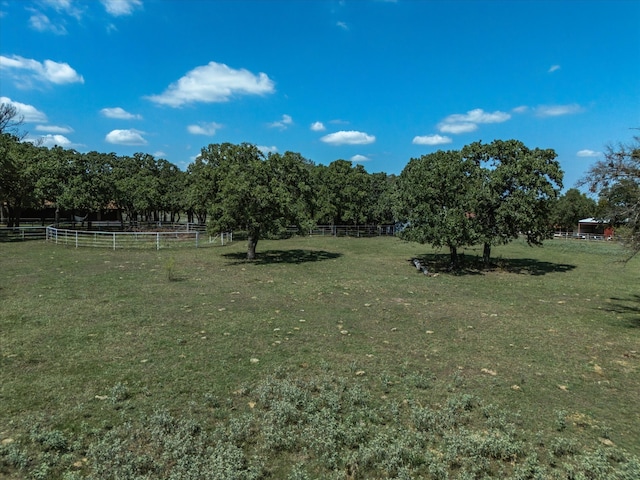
x=13 y=234
x=352 y=230
x=131 y=240
x=581 y=236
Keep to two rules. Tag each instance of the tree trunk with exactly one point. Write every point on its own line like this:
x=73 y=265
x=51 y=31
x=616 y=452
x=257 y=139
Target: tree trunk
x=486 y=255
x=454 y=257
x=252 y=242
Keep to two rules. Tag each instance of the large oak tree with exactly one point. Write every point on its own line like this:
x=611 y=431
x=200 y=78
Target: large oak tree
x=253 y=193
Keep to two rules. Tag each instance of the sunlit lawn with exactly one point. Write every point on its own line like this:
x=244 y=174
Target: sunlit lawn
x=550 y=335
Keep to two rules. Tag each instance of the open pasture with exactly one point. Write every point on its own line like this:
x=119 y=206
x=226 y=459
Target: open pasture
x=324 y=358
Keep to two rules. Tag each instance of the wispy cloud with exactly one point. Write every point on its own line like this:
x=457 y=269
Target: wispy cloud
x=53 y=129
x=41 y=23
x=342 y=25
x=468 y=122
x=47 y=71
x=29 y=113
x=553 y=68
x=119 y=113
x=350 y=137
x=119 y=8
x=318 y=127
x=557 y=110
x=211 y=83
x=283 y=123
x=588 y=153
x=360 y=158
x=126 y=137
x=204 y=128
x=431 y=140
x=67 y=7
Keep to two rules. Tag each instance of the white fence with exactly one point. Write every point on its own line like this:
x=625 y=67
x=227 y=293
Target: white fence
x=129 y=240
x=580 y=236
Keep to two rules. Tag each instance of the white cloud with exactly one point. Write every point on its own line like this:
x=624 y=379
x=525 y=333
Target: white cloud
x=588 y=153
x=553 y=68
x=160 y=154
x=557 y=110
x=203 y=128
x=53 y=129
x=283 y=123
x=48 y=71
x=53 y=140
x=350 y=137
x=431 y=140
x=121 y=7
x=318 y=127
x=126 y=137
x=214 y=82
x=456 y=128
x=521 y=109
x=119 y=113
x=359 y=158
x=266 y=150
x=28 y=112
x=40 y=22
x=468 y=122
x=342 y=25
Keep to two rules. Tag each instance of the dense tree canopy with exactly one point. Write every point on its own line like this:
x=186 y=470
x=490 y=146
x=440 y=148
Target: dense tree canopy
x=486 y=193
x=257 y=194
x=435 y=202
x=515 y=189
x=18 y=176
x=572 y=207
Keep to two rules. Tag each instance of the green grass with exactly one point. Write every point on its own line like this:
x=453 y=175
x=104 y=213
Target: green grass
x=325 y=358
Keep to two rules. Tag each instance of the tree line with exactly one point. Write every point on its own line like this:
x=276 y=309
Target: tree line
x=483 y=194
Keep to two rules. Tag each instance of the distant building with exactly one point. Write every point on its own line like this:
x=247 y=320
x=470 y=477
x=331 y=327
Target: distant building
x=590 y=227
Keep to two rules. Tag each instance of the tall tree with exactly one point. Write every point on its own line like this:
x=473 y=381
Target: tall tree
x=172 y=184
x=136 y=185
x=90 y=187
x=435 y=202
x=381 y=198
x=342 y=193
x=515 y=189
x=18 y=176
x=616 y=179
x=261 y=195
x=571 y=208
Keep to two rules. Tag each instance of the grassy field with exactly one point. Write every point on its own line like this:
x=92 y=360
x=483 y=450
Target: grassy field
x=325 y=358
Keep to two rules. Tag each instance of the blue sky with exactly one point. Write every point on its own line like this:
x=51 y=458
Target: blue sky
x=373 y=81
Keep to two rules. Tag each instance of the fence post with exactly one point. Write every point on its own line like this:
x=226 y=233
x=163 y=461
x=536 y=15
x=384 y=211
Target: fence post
x=76 y=239
x=158 y=241
x=196 y=237
x=114 y=240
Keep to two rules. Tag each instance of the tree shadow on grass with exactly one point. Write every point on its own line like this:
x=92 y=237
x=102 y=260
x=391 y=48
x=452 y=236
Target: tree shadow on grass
x=628 y=307
x=473 y=265
x=269 y=257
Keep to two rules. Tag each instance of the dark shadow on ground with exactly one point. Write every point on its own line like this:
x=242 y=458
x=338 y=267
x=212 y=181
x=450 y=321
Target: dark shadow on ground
x=283 y=256
x=472 y=265
x=628 y=307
